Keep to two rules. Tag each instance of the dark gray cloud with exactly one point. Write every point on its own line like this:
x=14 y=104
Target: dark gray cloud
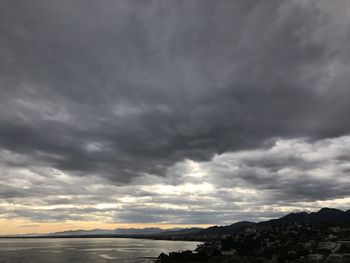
x=93 y=93
x=119 y=89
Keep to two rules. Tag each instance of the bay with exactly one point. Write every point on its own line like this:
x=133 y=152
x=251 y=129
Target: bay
x=87 y=250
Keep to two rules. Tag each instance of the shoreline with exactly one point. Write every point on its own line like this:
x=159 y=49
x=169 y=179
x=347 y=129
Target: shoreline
x=98 y=237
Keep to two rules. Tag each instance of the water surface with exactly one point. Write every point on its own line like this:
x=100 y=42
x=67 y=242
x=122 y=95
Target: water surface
x=86 y=250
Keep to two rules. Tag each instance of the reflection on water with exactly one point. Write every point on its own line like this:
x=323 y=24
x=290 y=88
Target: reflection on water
x=88 y=250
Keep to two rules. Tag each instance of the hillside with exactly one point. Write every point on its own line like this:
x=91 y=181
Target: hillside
x=324 y=215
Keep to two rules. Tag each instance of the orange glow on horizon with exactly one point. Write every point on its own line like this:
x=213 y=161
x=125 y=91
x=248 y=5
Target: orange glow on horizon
x=21 y=226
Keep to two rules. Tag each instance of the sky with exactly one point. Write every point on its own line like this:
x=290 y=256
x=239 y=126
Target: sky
x=171 y=113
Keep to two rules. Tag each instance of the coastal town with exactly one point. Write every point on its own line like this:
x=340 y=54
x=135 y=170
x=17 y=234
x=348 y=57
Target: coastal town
x=295 y=242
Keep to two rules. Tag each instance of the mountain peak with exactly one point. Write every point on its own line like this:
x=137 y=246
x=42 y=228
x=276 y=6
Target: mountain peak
x=242 y=223
x=330 y=210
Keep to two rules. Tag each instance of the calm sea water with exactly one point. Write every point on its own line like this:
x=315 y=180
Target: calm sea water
x=88 y=250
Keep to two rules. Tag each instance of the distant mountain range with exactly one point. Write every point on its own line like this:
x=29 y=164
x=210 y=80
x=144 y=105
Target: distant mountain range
x=120 y=231
x=325 y=215
x=226 y=230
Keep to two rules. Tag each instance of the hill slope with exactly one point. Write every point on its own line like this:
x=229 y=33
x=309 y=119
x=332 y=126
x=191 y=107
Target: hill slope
x=324 y=215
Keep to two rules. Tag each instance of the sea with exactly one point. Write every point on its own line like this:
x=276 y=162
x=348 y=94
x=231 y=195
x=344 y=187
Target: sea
x=86 y=250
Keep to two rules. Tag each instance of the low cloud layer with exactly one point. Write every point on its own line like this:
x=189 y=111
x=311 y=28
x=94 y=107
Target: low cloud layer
x=290 y=175
x=115 y=104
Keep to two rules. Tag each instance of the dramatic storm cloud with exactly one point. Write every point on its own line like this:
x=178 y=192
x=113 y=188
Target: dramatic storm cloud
x=176 y=112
